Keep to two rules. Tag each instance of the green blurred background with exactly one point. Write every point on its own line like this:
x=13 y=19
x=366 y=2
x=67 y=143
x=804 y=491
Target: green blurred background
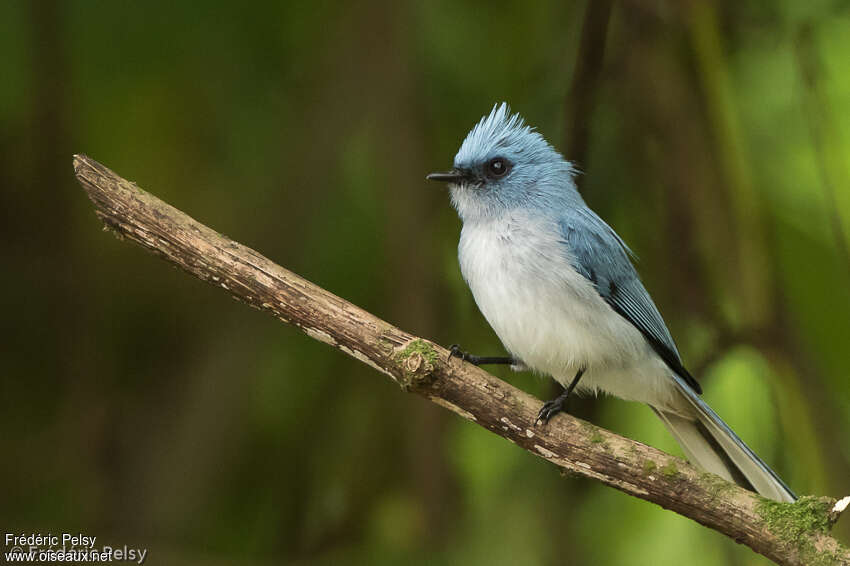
x=146 y=408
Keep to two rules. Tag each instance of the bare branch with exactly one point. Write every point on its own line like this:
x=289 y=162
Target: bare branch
x=788 y=534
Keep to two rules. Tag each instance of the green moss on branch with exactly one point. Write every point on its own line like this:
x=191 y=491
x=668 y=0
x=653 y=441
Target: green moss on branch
x=795 y=523
x=417 y=360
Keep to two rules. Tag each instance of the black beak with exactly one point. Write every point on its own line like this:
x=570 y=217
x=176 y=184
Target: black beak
x=453 y=176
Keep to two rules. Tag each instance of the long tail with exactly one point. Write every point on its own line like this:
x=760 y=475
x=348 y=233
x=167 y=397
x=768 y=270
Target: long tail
x=709 y=443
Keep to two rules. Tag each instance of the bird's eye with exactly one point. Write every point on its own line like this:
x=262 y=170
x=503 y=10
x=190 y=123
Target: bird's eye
x=498 y=167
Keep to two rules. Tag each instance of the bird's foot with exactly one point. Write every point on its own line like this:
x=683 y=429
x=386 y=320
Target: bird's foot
x=556 y=405
x=552 y=408
x=456 y=352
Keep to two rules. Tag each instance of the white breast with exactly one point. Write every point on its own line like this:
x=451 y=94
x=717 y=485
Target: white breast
x=551 y=317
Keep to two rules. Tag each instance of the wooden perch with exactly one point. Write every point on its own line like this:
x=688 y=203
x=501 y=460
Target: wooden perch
x=792 y=534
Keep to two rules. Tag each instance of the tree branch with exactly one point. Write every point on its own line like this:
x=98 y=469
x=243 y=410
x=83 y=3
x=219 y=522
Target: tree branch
x=788 y=534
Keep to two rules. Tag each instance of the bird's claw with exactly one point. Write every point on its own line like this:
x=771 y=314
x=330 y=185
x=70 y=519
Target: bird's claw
x=549 y=410
x=558 y=404
x=456 y=352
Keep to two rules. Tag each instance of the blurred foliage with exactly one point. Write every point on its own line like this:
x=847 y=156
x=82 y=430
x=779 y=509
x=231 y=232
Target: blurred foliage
x=146 y=408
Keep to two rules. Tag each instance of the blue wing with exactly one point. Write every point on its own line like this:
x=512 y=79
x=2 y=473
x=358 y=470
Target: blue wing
x=602 y=257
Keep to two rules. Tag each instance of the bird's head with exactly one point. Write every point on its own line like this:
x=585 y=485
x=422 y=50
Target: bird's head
x=503 y=165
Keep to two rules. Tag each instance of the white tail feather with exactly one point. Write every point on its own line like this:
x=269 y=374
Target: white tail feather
x=709 y=443
x=697 y=450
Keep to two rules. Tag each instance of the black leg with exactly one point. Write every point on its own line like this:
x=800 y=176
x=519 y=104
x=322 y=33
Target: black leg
x=455 y=351
x=556 y=405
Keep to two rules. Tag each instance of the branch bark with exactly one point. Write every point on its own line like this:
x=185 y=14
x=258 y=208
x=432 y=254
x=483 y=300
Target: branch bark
x=787 y=534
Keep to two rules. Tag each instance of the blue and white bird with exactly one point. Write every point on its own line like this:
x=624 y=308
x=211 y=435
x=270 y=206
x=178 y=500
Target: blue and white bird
x=556 y=284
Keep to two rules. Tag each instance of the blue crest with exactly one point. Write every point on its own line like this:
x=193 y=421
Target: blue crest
x=539 y=177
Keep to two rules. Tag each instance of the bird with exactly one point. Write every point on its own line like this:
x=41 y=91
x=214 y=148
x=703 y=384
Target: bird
x=557 y=285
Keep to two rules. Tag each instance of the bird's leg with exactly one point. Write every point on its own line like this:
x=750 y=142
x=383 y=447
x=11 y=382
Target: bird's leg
x=455 y=351
x=556 y=405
